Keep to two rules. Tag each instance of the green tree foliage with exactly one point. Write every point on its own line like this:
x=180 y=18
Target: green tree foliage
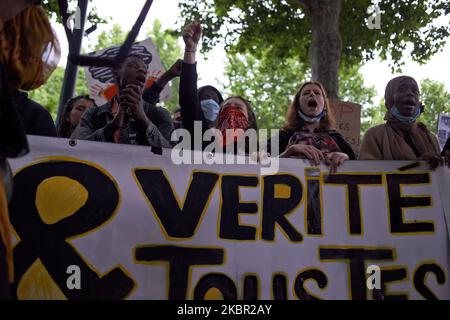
x=48 y=94
x=436 y=101
x=115 y=36
x=372 y=116
x=52 y=9
x=352 y=87
x=268 y=84
x=289 y=28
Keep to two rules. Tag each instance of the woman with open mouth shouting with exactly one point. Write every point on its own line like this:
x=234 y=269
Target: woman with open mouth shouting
x=401 y=137
x=309 y=131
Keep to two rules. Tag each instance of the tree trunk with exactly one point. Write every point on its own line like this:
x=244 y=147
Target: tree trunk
x=326 y=44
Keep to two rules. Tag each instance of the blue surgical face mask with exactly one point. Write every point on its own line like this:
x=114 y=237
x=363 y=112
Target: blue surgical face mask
x=411 y=119
x=210 y=109
x=309 y=119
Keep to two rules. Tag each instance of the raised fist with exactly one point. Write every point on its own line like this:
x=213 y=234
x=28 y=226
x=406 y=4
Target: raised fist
x=192 y=34
x=175 y=69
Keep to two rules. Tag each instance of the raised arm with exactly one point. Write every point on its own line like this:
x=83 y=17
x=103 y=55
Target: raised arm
x=189 y=103
x=151 y=95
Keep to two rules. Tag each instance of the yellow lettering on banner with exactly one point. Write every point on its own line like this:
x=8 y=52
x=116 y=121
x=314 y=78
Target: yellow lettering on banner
x=282 y=191
x=37 y=284
x=58 y=198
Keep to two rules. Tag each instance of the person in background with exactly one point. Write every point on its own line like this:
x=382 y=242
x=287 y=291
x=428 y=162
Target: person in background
x=210 y=100
x=73 y=111
x=127 y=119
x=401 y=137
x=309 y=131
x=25 y=34
x=176 y=119
x=233 y=113
x=36 y=119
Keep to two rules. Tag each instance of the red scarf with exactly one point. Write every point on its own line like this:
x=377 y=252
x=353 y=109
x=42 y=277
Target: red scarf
x=232 y=118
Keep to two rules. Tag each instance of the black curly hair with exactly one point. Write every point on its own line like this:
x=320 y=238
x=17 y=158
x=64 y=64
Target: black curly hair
x=64 y=128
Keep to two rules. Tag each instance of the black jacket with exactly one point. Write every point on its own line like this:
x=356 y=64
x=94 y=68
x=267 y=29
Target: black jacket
x=13 y=141
x=36 y=119
x=94 y=125
x=190 y=105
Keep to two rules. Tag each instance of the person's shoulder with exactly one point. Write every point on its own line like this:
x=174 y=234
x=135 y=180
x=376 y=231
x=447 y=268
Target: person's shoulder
x=375 y=130
x=105 y=108
x=423 y=126
x=156 y=109
x=37 y=107
x=33 y=106
x=156 y=112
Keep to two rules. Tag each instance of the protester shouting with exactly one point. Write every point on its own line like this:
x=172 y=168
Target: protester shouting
x=309 y=131
x=401 y=137
x=127 y=118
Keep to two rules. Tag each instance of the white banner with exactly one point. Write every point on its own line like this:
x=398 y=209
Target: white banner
x=106 y=221
x=100 y=80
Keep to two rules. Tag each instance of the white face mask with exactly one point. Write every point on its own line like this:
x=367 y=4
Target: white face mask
x=411 y=119
x=210 y=109
x=309 y=119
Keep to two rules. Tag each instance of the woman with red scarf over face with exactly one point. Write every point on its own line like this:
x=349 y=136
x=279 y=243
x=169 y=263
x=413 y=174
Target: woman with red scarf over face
x=309 y=131
x=234 y=113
